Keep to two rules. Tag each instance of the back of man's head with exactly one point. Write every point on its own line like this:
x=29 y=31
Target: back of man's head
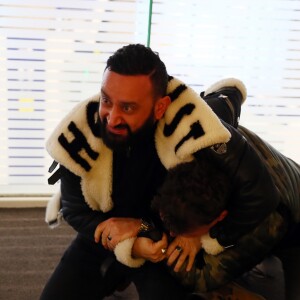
x=193 y=194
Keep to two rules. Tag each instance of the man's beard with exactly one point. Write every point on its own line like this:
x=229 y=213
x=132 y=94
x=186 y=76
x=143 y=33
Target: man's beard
x=122 y=143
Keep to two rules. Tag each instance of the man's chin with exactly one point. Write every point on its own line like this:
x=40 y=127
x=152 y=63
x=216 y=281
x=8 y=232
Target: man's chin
x=115 y=142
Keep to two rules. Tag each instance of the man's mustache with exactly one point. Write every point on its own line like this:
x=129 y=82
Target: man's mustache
x=121 y=126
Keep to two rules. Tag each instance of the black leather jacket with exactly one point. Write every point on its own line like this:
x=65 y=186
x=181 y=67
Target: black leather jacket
x=254 y=194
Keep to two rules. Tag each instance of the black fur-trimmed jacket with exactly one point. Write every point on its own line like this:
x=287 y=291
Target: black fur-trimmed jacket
x=97 y=184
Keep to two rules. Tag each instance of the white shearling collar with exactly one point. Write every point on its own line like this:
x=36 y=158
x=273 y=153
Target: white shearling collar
x=174 y=138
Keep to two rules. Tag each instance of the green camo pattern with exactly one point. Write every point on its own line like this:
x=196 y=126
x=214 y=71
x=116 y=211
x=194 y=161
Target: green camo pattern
x=223 y=268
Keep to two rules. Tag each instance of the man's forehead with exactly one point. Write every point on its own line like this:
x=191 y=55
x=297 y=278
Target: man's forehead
x=126 y=88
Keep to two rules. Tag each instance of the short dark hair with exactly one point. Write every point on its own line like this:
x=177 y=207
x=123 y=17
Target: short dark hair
x=193 y=194
x=137 y=59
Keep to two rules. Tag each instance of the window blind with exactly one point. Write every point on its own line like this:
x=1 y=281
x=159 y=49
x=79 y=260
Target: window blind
x=52 y=56
x=255 y=41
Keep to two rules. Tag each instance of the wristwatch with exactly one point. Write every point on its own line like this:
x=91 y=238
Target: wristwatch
x=145 y=226
x=148 y=230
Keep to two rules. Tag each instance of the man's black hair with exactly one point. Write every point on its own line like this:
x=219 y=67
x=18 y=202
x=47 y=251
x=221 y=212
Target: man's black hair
x=192 y=195
x=136 y=59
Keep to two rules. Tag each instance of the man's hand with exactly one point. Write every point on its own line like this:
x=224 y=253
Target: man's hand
x=153 y=251
x=182 y=248
x=115 y=230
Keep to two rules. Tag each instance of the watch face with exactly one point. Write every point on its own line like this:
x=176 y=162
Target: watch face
x=145 y=226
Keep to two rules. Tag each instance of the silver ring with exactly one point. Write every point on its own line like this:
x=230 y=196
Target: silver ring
x=163 y=250
x=109 y=238
x=178 y=248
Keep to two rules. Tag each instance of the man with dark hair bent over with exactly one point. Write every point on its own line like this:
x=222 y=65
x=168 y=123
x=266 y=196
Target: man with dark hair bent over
x=196 y=196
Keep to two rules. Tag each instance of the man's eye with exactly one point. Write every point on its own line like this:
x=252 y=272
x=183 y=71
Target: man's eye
x=128 y=108
x=105 y=100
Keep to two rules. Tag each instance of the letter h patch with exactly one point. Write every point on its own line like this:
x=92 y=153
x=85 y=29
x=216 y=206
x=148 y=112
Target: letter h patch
x=79 y=143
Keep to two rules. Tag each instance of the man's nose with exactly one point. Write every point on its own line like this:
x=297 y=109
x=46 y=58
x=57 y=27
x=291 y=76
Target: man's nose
x=114 y=117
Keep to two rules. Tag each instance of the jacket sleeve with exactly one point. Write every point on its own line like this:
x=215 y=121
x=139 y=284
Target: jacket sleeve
x=254 y=194
x=213 y=271
x=74 y=208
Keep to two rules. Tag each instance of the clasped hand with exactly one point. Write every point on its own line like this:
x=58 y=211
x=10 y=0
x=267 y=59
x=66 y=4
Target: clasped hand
x=114 y=230
x=179 y=250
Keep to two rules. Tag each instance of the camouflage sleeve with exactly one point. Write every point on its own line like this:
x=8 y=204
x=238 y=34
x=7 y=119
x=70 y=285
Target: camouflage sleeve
x=210 y=272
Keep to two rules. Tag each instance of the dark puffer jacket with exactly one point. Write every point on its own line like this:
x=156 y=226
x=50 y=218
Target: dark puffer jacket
x=284 y=171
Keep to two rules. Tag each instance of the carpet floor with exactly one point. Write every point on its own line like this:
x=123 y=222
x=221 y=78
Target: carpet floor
x=29 y=251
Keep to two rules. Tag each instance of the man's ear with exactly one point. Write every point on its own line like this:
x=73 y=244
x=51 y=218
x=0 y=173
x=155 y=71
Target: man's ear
x=161 y=106
x=222 y=215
